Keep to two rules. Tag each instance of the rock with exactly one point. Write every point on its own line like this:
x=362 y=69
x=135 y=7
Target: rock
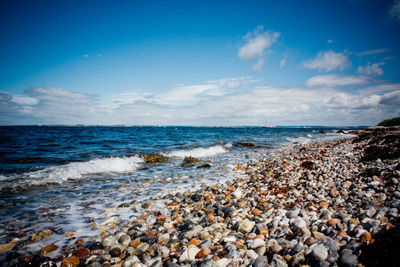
x=205 y=165
x=222 y=262
x=6 y=247
x=333 y=221
x=41 y=235
x=307 y=165
x=299 y=224
x=244 y=144
x=251 y=254
x=274 y=246
x=371 y=212
x=124 y=239
x=189 y=254
x=258 y=242
x=261 y=261
x=81 y=253
x=187 y=161
x=115 y=252
x=163 y=251
x=204 y=252
x=154 y=158
x=320 y=252
x=109 y=240
x=297 y=259
x=230 y=239
x=130 y=261
x=278 y=261
x=47 y=249
x=237 y=194
x=246 y=226
x=293 y=213
x=348 y=259
x=334 y=192
x=70 y=262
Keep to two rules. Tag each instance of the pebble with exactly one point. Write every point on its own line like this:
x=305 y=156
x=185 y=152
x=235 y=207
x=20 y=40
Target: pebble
x=189 y=254
x=320 y=252
x=261 y=261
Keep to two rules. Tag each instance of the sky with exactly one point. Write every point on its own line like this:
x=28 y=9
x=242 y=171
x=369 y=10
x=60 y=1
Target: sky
x=206 y=63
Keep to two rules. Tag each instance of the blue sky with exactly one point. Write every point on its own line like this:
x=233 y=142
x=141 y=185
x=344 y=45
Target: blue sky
x=199 y=62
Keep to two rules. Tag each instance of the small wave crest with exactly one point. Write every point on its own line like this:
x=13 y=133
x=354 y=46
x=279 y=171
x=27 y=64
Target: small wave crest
x=74 y=170
x=308 y=138
x=199 y=152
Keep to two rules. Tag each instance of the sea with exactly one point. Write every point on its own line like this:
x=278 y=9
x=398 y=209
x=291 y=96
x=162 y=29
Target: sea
x=73 y=179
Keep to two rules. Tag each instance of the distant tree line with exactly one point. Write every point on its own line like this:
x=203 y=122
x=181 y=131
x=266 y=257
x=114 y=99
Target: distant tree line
x=390 y=122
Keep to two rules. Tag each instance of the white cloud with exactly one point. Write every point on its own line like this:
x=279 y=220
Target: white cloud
x=24 y=100
x=257 y=43
x=282 y=63
x=333 y=80
x=257 y=67
x=380 y=88
x=395 y=10
x=327 y=61
x=207 y=104
x=85 y=55
x=330 y=41
x=372 y=52
x=371 y=69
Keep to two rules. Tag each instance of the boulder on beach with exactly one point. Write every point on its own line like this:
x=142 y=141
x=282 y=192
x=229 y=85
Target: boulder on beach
x=187 y=161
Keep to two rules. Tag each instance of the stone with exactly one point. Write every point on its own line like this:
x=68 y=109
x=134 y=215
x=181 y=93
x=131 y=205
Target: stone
x=333 y=221
x=41 y=235
x=70 y=262
x=251 y=254
x=274 y=246
x=230 y=239
x=163 y=251
x=204 y=252
x=124 y=239
x=81 y=253
x=297 y=259
x=334 y=192
x=299 y=224
x=189 y=254
x=47 y=249
x=258 y=242
x=109 y=240
x=237 y=194
x=370 y=212
x=6 y=247
x=223 y=262
x=320 y=252
x=246 y=226
x=130 y=261
x=348 y=259
x=293 y=213
x=187 y=161
x=261 y=261
x=115 y=252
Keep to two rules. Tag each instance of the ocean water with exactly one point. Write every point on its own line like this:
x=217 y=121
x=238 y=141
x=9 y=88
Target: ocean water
x=66 y=178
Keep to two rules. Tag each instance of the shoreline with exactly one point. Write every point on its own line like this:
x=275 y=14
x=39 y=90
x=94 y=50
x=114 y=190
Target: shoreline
x=315 y=204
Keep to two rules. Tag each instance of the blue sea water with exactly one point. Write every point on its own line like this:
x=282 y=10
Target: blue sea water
x=65 y=177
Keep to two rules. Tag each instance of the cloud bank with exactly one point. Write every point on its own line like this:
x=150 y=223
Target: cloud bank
x=209 y=104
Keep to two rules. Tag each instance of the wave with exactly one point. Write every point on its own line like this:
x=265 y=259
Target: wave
x=74 y=170
x=199 y=152
x=319 y=138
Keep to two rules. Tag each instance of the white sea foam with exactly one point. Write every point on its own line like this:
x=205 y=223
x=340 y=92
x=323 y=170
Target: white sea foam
x=199 y=152
x=319 y=138
x=76 y=170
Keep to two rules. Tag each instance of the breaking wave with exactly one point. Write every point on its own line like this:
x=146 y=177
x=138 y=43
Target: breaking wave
x=199 y=152
x=74 y=170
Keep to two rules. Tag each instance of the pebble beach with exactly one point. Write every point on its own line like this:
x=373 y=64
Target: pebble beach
x=318 y=204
